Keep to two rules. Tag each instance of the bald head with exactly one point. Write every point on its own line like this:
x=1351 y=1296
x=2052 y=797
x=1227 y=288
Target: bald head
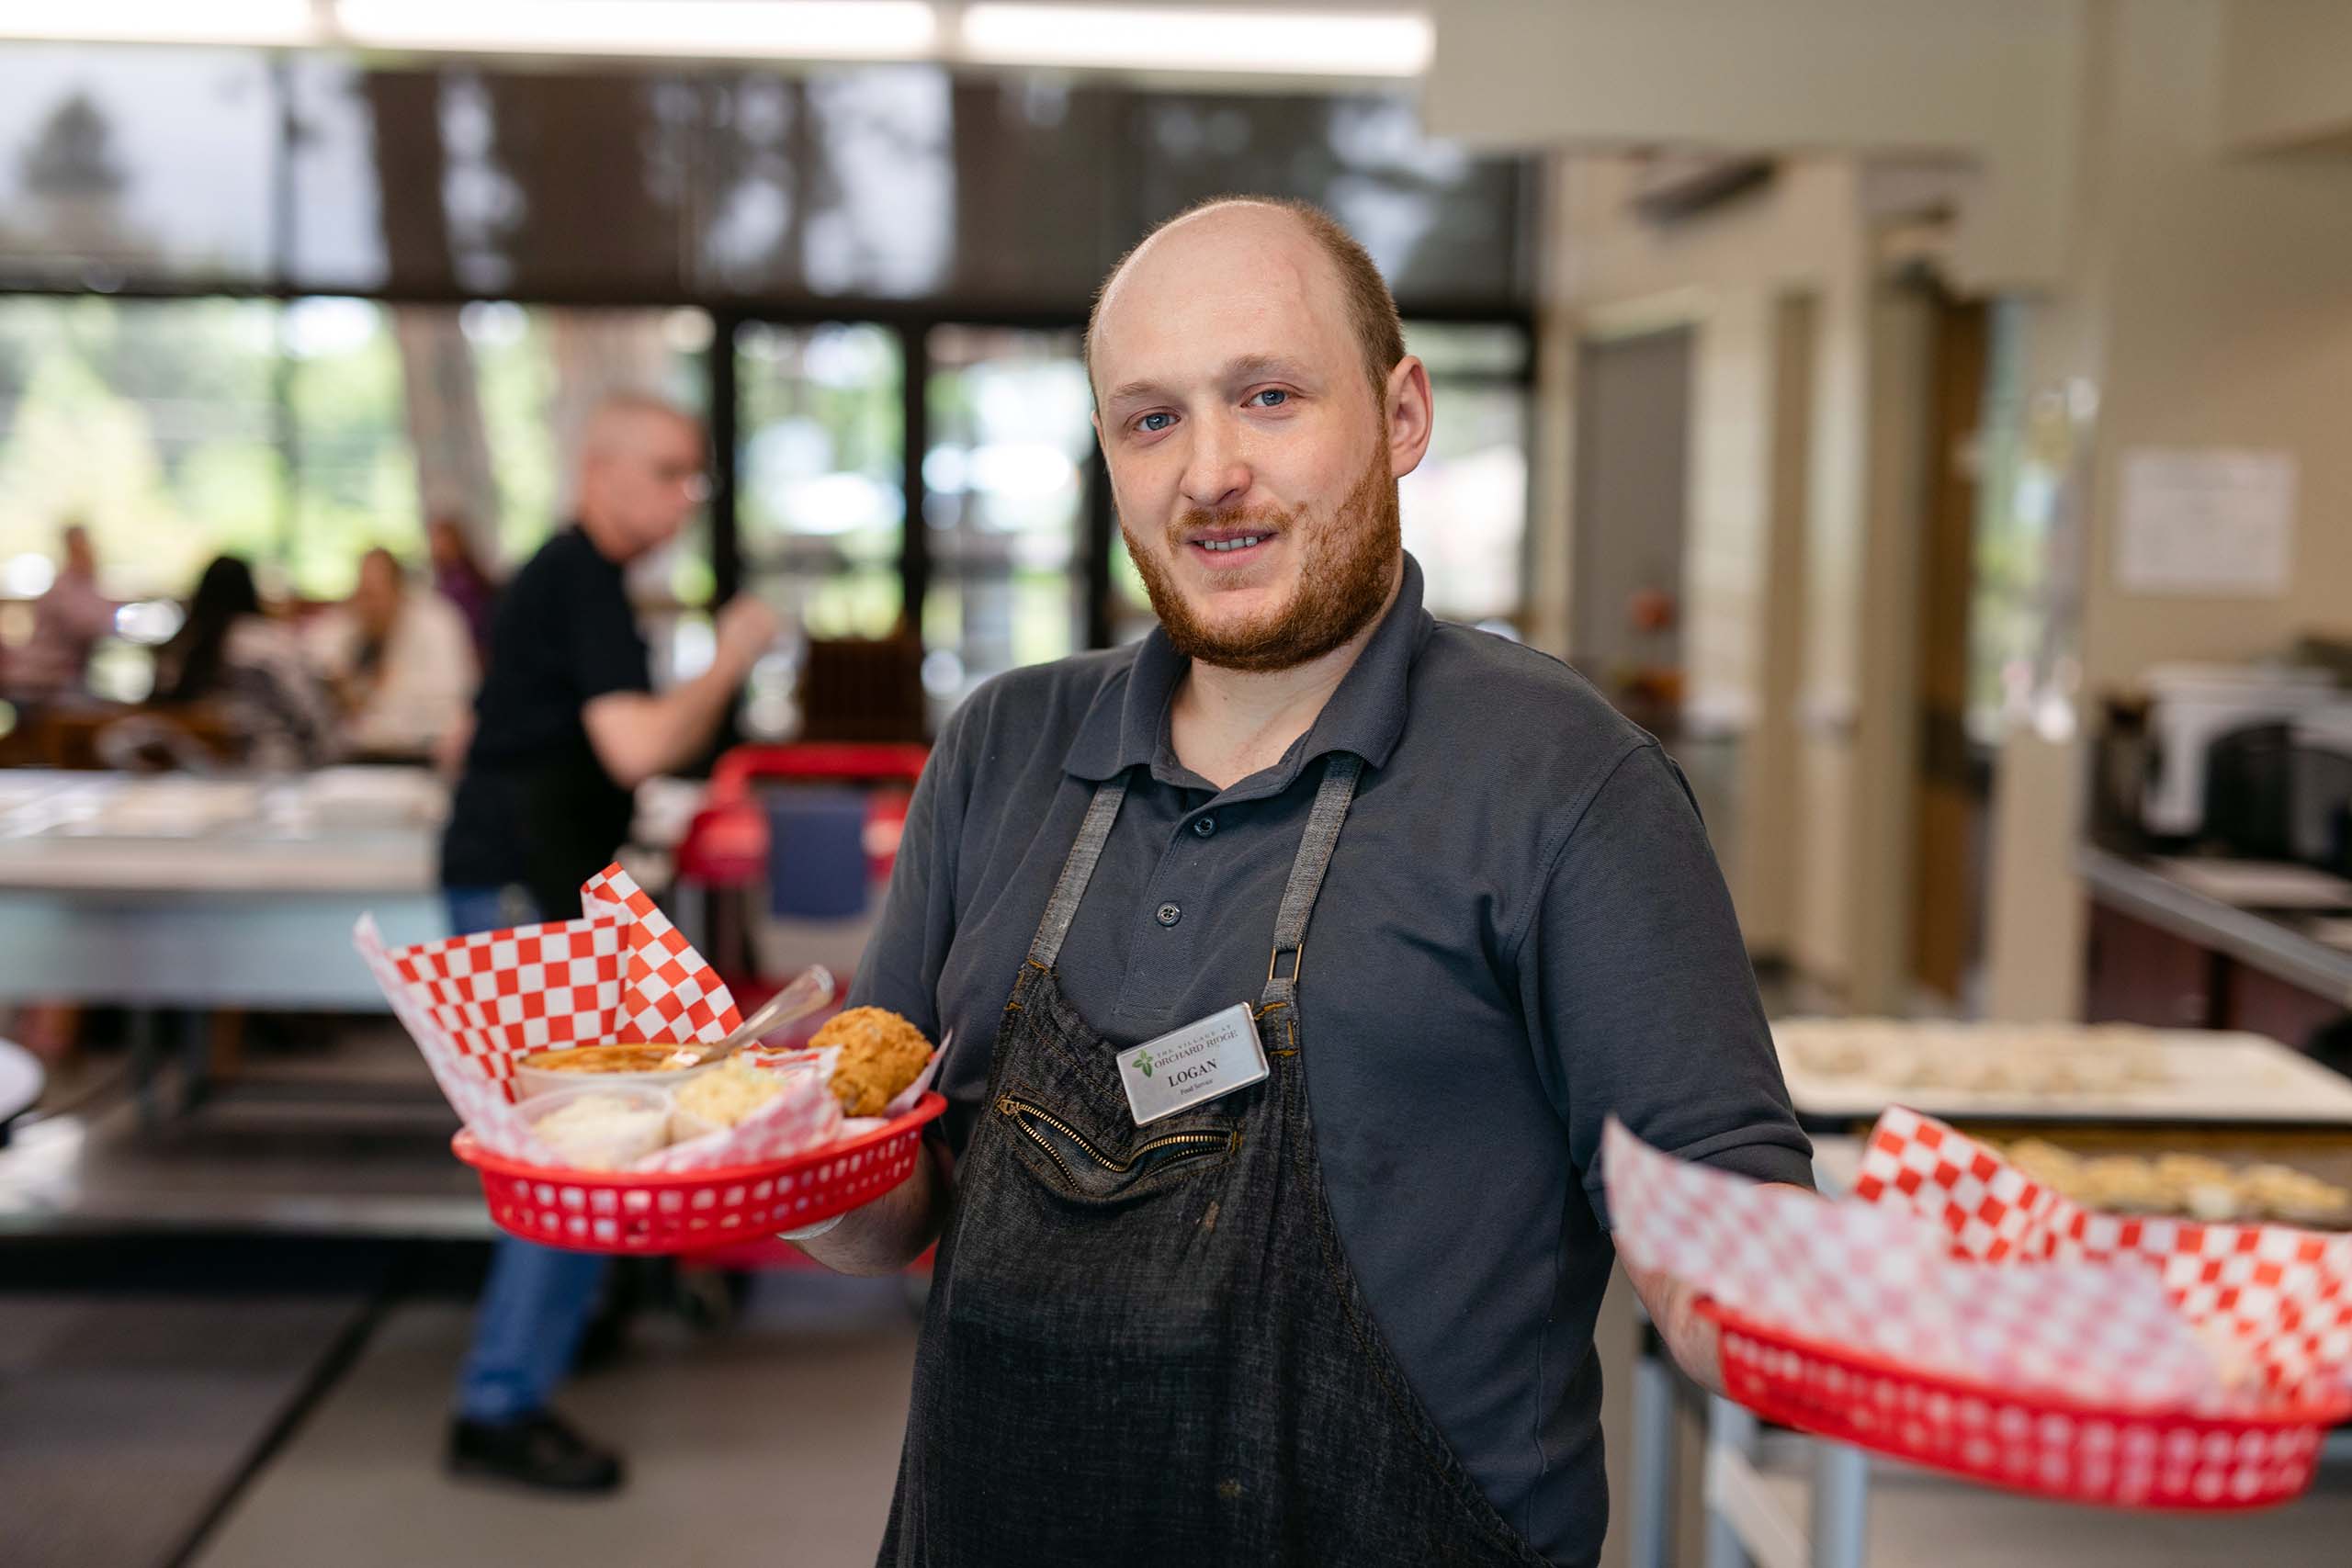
x=623 y=420
x=1255 y=406
x=1321 y=265
x=641 y=475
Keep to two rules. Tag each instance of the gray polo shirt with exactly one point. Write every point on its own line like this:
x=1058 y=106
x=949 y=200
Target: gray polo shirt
x=1522 y=931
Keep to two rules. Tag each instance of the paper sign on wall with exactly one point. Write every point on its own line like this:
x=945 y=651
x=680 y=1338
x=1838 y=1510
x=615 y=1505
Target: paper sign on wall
x=2213 y=523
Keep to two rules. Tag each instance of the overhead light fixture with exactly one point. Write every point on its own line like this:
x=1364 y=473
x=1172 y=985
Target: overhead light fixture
x=1154 y=38
x=264 y=23
x=723 y=29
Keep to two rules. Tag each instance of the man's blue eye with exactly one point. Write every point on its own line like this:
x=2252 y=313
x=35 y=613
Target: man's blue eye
x=1275 y=392
x=1144 y=423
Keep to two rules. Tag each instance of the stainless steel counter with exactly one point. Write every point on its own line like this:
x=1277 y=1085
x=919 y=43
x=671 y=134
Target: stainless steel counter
x=2250 y=938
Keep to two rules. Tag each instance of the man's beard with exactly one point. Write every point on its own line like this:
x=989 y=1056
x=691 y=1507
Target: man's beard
x=1349 y=561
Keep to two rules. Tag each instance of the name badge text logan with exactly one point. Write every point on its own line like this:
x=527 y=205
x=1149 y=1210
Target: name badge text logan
x=1208 y=1057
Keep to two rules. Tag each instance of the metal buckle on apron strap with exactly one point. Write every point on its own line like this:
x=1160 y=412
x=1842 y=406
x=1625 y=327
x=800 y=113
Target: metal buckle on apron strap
x=1298 y=963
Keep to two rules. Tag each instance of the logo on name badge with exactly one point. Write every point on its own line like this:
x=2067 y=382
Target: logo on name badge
x=1184 y=1067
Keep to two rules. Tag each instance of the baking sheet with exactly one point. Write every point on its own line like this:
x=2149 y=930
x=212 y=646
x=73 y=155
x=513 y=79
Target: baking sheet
x=2260 y=883
x=2209 y=1078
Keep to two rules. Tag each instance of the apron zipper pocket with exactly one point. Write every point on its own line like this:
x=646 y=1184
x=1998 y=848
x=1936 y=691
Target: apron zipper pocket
x=1027 y=1117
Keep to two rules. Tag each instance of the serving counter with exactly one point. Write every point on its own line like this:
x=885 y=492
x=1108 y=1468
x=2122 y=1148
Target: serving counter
x=2169 y=948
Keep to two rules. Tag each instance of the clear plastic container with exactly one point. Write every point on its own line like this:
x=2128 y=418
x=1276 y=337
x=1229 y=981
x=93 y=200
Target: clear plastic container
x=637 y=1125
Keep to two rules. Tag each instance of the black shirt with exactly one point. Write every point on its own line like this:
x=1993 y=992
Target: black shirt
x=1523 y=933
x=535 y=805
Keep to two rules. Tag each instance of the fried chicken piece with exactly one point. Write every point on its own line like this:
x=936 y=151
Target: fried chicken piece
x=881 y=1054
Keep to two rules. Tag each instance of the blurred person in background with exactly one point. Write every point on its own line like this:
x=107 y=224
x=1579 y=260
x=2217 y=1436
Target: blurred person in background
x=461 y=578
x=566 y=727
x=400 y=663
x=68 y=621
x=230 y=655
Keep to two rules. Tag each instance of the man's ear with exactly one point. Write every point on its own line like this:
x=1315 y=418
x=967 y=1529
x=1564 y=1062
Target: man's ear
x=1411 y=412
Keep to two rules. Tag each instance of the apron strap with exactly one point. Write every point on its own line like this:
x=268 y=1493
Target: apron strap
x=1315 y=847
x=1078 y=871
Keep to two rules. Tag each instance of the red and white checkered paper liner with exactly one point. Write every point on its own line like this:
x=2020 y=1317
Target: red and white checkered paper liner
x=1879 y=1278
x=2275 y=1299
x=475 y=1005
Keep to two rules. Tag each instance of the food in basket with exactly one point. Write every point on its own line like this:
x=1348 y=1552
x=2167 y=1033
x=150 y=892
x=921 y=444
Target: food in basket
x=881 y=1054
x=2191 y=1185
x=628 y=1057
x=727 y=1092
x=604 y=1132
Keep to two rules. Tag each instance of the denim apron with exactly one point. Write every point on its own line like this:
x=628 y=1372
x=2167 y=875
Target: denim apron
x=1144 y=1345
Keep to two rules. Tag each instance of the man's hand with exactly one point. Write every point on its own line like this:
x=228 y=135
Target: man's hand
x=743 y=631
x=892 y=1231
x=1673 y=1306
x=637 y=735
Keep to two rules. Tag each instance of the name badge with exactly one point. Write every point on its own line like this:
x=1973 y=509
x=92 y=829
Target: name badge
x=1214 y=1056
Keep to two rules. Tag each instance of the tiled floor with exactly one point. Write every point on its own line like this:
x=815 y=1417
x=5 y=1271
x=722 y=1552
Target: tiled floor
x=124 y=1417
x=774 y=1442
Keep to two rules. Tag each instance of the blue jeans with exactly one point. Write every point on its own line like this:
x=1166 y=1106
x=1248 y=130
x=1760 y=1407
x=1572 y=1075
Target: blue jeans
x=538 y=1299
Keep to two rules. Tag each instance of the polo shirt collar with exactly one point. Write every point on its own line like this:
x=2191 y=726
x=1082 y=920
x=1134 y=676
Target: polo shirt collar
x=1127 y=726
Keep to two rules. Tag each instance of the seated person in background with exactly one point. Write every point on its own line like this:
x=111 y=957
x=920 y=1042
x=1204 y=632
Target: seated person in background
x=229 y=654
x=68 y=621
x=400 y=661
x=461 y=578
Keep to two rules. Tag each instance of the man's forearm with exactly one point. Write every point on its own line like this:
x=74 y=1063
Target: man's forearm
x=637 y=736
x=892 y=1232
x=691 y=711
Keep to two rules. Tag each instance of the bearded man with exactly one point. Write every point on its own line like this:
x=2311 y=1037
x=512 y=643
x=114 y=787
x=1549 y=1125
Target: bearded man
x=1255 y=1249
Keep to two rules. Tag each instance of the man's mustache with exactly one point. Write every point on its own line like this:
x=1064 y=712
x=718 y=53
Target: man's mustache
x=1274 y=519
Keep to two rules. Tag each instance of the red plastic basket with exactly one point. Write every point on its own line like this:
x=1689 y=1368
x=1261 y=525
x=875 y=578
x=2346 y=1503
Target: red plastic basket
x=694 y=1210
x=2050 y=1447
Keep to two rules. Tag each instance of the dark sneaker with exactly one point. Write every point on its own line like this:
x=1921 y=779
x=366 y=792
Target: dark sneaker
x=538 y=1449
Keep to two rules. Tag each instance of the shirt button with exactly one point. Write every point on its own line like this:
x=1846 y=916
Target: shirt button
x=1170 y=914
x=1203 y=825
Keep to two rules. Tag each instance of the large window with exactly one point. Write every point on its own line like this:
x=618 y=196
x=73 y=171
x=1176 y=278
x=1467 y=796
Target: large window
x=1004 y=509
x=820 y=500
x=299 y=435
x=1465 y=509
x=355 y=472
x=155 y=424
x=443 y=267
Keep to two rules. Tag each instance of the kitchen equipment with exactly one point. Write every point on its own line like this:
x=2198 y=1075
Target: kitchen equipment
x=2320 y=791
x=2190 y=706
x=2247 y=775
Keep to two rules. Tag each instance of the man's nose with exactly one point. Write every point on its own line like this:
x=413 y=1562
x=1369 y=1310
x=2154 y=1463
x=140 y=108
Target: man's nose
x=1217 y=472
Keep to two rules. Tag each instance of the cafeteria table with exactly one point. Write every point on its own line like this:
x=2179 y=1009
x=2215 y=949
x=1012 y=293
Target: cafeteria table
x=211 y=894
x=205 y=894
